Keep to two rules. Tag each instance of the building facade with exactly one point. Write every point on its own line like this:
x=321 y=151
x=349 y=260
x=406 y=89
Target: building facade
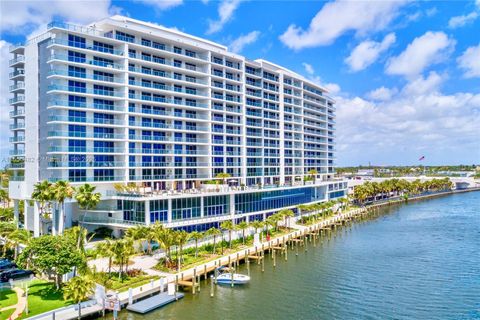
x=124 y=101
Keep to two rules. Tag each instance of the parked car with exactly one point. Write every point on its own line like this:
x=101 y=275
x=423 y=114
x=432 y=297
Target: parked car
x=15 y=275
x=7 y=266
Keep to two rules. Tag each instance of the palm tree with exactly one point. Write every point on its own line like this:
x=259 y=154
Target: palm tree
x=243 y=226
x=6 y=229
x=257 y=224
x=17 y=237
x=195 y=235
x=165 y=240
x=78 y=289
x=4 y=197
x=139 y=234
x=122 y=250
x=105 y=249
x=228 y=225
x=223 y=176
x=62 y=190
x=181 y=239
x=214 y=232
x=286 y=214
x=86 y=198
x=43 y=195
x=313 y=174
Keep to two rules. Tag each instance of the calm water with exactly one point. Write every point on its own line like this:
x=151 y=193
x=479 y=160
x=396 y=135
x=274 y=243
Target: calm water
x=418 y=261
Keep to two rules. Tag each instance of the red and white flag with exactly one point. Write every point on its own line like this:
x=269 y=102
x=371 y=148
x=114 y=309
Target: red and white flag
x=421 y=158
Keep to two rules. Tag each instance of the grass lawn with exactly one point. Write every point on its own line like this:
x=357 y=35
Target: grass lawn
x=8 y=298
x=43 y=297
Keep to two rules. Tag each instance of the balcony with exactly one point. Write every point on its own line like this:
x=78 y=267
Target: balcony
x=84 y=61
x=17 y=74
x=89 y=76
x=168 y=63
x=65 y=118
x=17 y=126
x=167 y=151
x=166 y=88
x=17 y=61
x=17 y=152
x=167 y=75
x=61 y=149
x=168 y=101
x=79 y=45
x=78 y=134
x=100 y=92
x=17 y=113
x=17 y=139
x=73 y=104
x=87 y=164
x=17 y=87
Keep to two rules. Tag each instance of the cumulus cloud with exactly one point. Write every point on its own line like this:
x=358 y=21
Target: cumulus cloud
x=226 y=9
x=367 y=52
x=308 y=68
x=332 y=88
x=460 y=21
x=469 y=61
x=338 y=17
x=381 y=94
x=238 y=44
x=398 y=129
x=423 y=51
x=162 y=4
x=25 y=16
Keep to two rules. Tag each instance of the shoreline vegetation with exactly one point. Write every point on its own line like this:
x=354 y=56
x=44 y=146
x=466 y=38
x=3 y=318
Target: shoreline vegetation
x=191 y=259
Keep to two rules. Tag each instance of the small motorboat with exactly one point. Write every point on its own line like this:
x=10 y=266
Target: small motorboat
x=224 y=276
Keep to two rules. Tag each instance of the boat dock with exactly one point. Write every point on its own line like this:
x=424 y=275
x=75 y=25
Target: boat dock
x=154 y=302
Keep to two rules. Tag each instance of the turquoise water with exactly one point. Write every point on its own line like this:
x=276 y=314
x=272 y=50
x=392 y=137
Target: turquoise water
x=416 y=261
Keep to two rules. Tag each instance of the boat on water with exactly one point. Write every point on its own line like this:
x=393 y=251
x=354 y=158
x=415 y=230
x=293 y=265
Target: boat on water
x=224 y=276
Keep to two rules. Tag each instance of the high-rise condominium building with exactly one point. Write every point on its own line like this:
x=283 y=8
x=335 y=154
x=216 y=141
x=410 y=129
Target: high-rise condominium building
x=123 y=101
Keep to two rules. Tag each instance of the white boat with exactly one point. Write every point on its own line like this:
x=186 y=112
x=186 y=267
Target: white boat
x=225 y=277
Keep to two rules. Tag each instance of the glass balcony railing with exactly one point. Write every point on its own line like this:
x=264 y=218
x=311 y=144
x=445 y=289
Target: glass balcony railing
x=85 y=149
x=78 y=134
x=86 y=164
x=76 y=104
x=168 y=75
x=65 y=118
x=17 y=126
x=83 y=75
x=101 y=92
x=166 y=151
x=17 y=139
x=86 y=46
x=97 y=63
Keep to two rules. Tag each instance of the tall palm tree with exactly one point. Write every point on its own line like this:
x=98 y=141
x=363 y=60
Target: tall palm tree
x=223 y=176
x=105 y=249
x=122 y=251
x=165 y=239
x=78 y=289
x=139 y=234
x=6 y=229
x=43 y=195
x=313 y=174
x=243 y=226
x=4 y=197
x=214 y=232
x=286 y=214
x=257 y=224
x=62 y=190
x=228 y=225
x=181 y=239
x=195 y=235
x=87 y=198
x=17 y=237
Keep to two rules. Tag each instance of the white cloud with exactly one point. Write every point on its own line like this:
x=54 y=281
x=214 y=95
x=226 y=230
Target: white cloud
x=423 y=51
x=469 y=61
x=238 y=44
x=308 y=68
x=367 y=52
x=399 y=128
x=381 y=94
x=332 y=88
x=4 y=96
x=226 y=9
x=338 y=17
x=25 y=16
x=162 y=4
x=423 y=85
x=460 y=21
x=432 y=11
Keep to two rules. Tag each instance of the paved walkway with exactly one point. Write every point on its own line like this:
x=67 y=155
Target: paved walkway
x=19 y=307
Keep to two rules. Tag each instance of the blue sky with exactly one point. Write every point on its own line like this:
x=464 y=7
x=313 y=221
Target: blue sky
x=406 y=75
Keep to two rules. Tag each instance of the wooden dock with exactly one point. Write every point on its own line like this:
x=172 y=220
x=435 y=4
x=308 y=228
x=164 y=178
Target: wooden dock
x=154 y=302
